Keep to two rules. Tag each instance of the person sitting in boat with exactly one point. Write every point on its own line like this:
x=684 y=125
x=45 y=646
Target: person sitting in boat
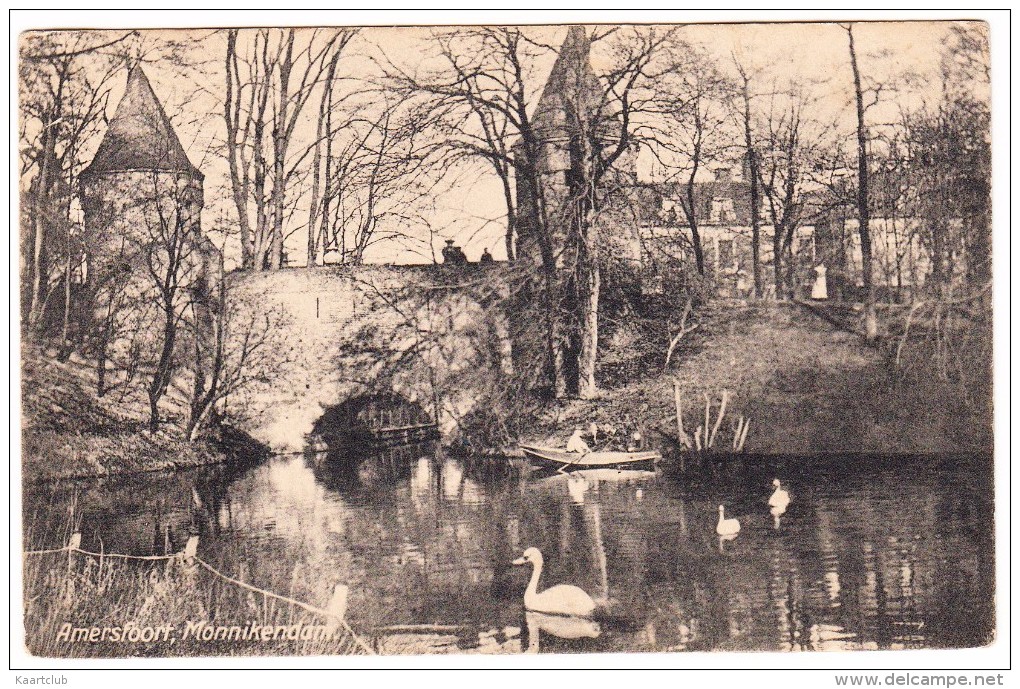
x=636 y=441
x=576 y=442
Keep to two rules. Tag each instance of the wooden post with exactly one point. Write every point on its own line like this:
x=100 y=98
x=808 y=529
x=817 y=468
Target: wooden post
x=72 y=546
x=337 y=607
x=736 y=434
x=743 y=435
x=190 y=551
x=708 y=409
x=75 y=542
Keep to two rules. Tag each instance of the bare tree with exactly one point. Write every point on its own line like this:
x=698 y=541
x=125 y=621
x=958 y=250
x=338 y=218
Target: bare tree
x=235 y=346
x=693 y=97
x=167 y=247
x=604 y=132
x=324 y=133
x=271 y=76
x=475 y=104
x=863 y=202
x=753 y=173
x=791 y=147
x=378 y=181
x=478 y=102
x=65 y=81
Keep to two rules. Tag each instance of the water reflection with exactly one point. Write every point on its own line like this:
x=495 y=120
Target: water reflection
x=559 y=627
x=893 y=554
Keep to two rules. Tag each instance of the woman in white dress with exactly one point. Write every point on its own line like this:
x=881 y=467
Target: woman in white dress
x=820 y=290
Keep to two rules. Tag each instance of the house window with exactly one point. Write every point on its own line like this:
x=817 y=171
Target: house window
x=725 y=258
x=722 y=210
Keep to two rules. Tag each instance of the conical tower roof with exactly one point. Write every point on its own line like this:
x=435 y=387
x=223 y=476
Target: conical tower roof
x=572 y=80
x=140 y=136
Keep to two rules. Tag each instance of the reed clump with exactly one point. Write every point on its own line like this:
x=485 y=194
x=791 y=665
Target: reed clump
x=160 y=608
x=706 y=434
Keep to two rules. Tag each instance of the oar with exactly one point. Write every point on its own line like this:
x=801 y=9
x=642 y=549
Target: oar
x=562 y=469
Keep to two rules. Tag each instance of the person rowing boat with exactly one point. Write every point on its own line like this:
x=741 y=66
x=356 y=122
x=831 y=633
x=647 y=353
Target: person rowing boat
x=576 y=442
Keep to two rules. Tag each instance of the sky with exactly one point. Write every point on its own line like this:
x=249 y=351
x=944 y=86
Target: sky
x=470 y=207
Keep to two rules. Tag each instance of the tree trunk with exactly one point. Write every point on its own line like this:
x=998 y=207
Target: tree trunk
x=101 y=369
x=863 y=211
x=589 y=303
x=777 y=259
x=281 y=141
x=752 y=172
x=160 y=378
x=40 y=215
x=538 y=221
x=65 y=330
x=313 y=204
x=692 y=221
x=323 y=128
x=511 y=218
x=239 y=189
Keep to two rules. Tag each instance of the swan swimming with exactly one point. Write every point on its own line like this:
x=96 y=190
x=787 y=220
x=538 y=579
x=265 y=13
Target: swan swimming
x=563 y=599
x=780 y=499
x=726 y=527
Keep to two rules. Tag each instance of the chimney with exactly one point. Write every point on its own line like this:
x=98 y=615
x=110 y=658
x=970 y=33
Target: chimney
x=723 y=174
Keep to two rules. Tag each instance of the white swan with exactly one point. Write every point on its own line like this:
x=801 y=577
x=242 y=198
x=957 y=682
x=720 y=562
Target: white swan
x=726 y=527
x=563 y=599
x=779 y=500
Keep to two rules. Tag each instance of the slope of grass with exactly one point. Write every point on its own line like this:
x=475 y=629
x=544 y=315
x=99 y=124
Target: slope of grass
x=807 y=386
x=69 y=432
x=160 y=609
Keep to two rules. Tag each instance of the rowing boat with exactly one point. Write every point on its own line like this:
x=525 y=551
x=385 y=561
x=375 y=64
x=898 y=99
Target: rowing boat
x=561 y=458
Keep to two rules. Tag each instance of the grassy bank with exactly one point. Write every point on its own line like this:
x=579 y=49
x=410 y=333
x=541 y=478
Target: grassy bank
x=67 y=431
x=160 y=609
x=807 y=387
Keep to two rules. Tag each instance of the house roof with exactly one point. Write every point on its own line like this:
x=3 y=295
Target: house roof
x=140 y=136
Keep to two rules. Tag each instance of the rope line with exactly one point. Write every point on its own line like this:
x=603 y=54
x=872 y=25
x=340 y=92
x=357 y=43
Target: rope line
x=101 y=555
x=128 y=557
x=46 y=552
x=237 y=582
x=287 y=599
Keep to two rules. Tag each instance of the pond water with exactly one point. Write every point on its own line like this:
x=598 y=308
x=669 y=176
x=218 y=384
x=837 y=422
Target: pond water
x=873 y=553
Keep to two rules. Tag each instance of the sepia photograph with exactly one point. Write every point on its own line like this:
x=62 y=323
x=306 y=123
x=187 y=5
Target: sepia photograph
x=505 y=339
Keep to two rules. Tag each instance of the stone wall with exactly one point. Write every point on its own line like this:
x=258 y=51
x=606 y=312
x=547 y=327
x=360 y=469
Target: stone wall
x=435 y=335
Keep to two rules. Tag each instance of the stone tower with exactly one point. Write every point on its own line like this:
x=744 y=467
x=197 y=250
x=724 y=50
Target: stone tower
x=142 y=200
x=573 y=91
x=139 y=176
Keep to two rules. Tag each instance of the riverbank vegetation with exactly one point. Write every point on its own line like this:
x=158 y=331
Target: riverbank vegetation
x=807 y=386
x=161 y=608
x=69 y=432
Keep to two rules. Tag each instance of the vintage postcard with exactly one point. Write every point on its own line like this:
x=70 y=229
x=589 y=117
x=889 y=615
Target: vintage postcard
x=497 y=339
